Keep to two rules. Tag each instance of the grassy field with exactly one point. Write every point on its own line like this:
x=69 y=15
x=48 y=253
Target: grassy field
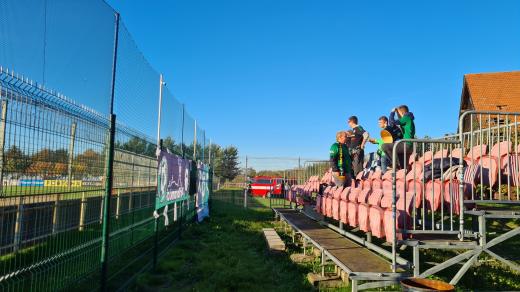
x=226 y=253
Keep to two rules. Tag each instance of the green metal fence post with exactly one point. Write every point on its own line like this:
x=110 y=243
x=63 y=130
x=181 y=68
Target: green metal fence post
x=106 y=204
x=2 y=143
x=156 y=221
x=109 y=166
x=233 y=197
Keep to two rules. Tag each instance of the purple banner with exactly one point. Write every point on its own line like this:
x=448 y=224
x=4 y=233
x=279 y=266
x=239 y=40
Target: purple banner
x=173 y=180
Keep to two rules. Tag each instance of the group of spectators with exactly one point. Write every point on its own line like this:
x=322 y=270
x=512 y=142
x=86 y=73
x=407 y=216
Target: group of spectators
x=348 y=152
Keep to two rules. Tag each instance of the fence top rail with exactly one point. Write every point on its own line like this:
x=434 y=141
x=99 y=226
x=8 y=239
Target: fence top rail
x=440 y=141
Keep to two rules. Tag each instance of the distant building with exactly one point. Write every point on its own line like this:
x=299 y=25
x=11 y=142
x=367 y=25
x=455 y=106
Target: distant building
x=498 y=91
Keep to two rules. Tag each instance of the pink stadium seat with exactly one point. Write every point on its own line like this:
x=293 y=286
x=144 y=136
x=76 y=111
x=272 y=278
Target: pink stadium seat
x=375 y=213
x=386 y=200
x=416 y=188
x=500 y=151
x=427 y=157
x=328 y=202
x=451 y=194
x=476 y=152
x=415 y=172
x=513 y=169
x=387 y=180
x=413 y=158
x=375 y=217
x=363 y=196
x=441 y=154
x=457 y=153
x=433 y=194
x=489 y=166
x=352 y=207
x=343 y=205
x=403 y=219
x=363 y=209
x=335 y=203
x=319 y=200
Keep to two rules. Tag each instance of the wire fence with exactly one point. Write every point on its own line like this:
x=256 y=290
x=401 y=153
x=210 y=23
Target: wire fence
x=78 y=188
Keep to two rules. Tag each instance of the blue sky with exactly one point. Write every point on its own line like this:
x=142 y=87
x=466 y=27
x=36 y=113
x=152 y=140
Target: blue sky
x=279 y=78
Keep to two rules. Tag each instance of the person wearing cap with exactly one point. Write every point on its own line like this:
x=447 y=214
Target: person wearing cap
x=407 y=125
x=340 y=161
x=357 y=145
x=389 y=134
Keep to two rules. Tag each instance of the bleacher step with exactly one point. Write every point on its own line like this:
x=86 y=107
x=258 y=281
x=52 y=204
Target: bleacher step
x=274 y=242
x=327 y=281
x=301 y=258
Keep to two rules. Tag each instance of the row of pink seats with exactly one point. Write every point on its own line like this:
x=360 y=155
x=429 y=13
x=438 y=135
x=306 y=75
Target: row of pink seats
x=311 y=186
x=370 y=210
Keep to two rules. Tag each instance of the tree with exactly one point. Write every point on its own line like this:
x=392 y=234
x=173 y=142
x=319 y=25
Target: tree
x=16 y=162
x=229 y=167
x=49 y=162
x=89 y=163
x=169 y=143
x=137 y=145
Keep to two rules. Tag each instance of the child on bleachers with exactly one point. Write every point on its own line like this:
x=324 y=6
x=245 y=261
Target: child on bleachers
x=357 y=145
x=396 y=133
x=340 y=161
x=407 y=126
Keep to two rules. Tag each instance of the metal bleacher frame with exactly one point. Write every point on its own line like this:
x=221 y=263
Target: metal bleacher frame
x=473 y=241
x=448 y=230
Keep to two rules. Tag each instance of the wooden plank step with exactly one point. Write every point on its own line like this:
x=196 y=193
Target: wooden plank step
x=274 y=242
x=354 y=256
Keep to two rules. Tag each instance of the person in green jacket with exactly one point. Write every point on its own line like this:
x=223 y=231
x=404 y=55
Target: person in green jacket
x=407 y=125
x=340 y=160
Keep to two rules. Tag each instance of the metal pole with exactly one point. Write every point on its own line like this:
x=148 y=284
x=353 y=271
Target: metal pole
x=195 y=142
x=106 y=205
x=109 y=166
x=394 y=201
x=245 y=186
x=204 y=146
x=71 y=152
x=2 y=142
x=159 y=145
x=161 y=83
x=182 y=132
x=209 y=152
x=299 y=170
x=156 y=227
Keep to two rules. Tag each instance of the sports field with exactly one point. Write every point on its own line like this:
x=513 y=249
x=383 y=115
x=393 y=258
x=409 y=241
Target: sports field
x=228 y=253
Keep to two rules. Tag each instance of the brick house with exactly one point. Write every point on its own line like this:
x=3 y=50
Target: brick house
x=498 y=91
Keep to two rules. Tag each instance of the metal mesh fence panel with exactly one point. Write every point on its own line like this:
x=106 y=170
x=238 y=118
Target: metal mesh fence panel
x=61 y=44
x=54 y=149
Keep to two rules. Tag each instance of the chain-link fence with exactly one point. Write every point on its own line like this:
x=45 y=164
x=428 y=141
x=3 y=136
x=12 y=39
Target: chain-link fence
x=78 y=188
x=266 y=181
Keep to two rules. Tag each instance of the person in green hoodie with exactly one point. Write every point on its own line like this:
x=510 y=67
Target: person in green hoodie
x=407 y=125
x=340 y=160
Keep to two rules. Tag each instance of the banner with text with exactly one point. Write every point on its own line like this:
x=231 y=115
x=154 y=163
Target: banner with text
x=202 y=199
x=173 y=181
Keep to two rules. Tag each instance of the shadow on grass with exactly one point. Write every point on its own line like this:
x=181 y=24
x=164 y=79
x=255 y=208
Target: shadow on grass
x=227 y=252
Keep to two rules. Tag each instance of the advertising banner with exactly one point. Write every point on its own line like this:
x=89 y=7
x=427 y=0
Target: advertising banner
x=31 y=183
x=173 y=180
x=62 y=183
x=202 y=199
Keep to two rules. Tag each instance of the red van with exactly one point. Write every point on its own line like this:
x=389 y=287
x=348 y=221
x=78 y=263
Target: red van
x=265 y=186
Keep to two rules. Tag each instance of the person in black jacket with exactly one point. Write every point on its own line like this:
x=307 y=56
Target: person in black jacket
x=357 y=145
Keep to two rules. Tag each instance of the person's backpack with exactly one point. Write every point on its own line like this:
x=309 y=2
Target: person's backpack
x=397 y=133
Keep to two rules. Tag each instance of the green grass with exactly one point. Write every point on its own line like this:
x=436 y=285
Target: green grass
x=227 y=252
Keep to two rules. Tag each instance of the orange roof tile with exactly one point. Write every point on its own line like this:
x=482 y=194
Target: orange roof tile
x=494 y=91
